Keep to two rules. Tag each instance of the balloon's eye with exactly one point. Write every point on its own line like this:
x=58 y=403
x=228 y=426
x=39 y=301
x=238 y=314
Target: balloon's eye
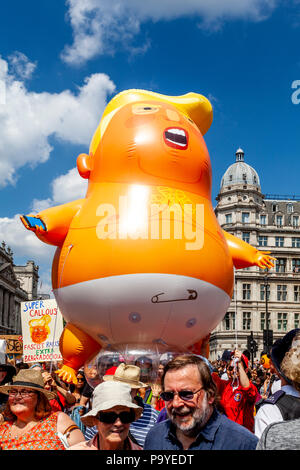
x=144 y=109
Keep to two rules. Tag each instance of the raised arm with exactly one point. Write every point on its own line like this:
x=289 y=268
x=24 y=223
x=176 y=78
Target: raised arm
x=52 y=225
x=245 y=255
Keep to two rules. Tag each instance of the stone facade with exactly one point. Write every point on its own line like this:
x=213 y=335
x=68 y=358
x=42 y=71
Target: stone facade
x=17 y=284
x=270 y=223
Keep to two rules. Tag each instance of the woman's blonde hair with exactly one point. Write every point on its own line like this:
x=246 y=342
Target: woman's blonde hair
x=290 y=364
x=42 y=410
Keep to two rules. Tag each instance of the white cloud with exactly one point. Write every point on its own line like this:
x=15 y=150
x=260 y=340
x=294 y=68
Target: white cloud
x=65 y=188
x=23 y=242
x=21 y=66
x=29 y=119
x=99 y=26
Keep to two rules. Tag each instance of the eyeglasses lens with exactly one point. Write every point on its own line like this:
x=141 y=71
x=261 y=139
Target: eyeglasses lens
x=22 y=393
x=185 y=395
x=111 y=417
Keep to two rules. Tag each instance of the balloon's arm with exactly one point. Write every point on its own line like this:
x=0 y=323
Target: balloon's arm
x=245 y=255
x=52 y=225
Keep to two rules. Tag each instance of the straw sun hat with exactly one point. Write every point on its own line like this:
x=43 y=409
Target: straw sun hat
x=107 y=395
x=128 y=374
x=28 y=378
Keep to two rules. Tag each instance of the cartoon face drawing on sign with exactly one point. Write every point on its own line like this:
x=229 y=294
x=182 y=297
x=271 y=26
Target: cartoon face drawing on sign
x=39 y=329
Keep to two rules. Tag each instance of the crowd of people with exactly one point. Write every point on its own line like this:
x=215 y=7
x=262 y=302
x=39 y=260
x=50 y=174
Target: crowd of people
x=190 y=404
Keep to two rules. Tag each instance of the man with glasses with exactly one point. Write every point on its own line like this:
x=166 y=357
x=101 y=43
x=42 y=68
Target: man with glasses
x=194 y=422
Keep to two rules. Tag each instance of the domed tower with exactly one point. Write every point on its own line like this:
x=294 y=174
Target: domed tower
x=240 y=199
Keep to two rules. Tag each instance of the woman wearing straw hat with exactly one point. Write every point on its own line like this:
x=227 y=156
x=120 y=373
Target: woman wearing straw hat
x=30 y=423
x=112 y=412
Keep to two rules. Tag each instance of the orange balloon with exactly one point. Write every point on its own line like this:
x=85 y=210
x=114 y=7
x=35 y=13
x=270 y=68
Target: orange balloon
x=142 y=260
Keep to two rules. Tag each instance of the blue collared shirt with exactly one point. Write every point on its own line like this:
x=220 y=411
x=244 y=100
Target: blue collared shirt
x=219 y=433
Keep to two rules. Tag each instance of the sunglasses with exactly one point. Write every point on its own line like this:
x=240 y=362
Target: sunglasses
x=111 y=417
x=185 y=395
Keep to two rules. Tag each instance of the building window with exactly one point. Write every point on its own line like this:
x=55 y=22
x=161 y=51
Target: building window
x=229 y=321
x=245 y=217
x=295 y=242
x=274 y=207
x=263 y=321
x=246 y=291
x=279 y=241
x=279 y=220
x=281 y=292
x=282 y=321
x=290 y=208
x=228 y=218
x=263 y=291
x=280 y=265
x=246 y=320
x=262 y=240
x=246 y=237
x=296 y=320
x=263 y=220
x=296 y=221
x=296 y=265
x=296 y=293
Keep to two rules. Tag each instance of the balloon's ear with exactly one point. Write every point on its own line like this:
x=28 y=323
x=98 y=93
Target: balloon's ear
x=84 y=165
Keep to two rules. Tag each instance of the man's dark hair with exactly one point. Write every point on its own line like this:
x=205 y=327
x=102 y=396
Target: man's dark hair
x=205 y=376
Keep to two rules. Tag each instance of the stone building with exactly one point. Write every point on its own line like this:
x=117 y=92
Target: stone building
x=269 y=223
x=17 y=284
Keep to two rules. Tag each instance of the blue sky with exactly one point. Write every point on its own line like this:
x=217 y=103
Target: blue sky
x=61 y=61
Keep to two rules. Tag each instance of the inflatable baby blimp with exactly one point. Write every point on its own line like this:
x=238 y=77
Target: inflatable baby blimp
x=142 y=260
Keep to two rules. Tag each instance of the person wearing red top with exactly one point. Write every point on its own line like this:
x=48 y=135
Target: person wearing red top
x=238 y=394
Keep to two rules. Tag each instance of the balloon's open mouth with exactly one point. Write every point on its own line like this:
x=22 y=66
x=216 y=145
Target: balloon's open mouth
x=176 y=137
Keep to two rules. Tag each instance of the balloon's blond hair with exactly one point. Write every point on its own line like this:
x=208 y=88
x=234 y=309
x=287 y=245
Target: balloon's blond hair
x=192 y=105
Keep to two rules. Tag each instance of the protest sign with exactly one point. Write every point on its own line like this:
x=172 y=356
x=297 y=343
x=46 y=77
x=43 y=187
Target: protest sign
x=14 y=344
x=42 y=325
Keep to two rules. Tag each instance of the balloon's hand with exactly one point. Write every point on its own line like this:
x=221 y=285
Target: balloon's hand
x=263 y=260
x=35 y=224
x=67 y=374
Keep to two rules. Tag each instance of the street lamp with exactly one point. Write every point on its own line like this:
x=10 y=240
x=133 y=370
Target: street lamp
x=267 y=313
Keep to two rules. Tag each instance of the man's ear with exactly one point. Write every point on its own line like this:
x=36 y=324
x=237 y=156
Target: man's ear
x=85 y=165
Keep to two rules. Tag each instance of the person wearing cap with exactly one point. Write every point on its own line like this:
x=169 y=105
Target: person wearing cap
x=113 y=410
x=284 y=404
x=130 y=374
x=30 y=423
x=238 y=393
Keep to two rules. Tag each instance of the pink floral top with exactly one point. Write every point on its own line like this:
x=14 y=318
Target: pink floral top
x=42 y=436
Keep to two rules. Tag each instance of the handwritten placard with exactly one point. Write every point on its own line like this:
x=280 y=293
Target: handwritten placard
x=42 y=326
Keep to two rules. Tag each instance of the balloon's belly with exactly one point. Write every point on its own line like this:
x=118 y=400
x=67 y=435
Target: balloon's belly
x=148 y=308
